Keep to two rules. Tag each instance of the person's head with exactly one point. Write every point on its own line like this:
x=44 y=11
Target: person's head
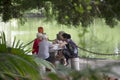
x=40 y=30
x=59 y=35
x=39 y=35
x=66 y=36
x=44 y=37
x=61 y=32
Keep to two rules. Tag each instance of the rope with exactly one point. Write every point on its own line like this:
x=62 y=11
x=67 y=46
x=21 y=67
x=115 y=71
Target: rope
x=96 y=53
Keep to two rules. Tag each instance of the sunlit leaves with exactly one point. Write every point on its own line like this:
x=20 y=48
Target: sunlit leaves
x=79 y=9
x=78 y=12
x=18 y=66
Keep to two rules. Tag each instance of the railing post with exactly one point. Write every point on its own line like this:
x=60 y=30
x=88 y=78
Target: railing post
x=75 y=63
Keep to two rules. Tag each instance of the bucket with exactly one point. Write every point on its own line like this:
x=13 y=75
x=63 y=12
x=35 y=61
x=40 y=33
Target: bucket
x=75 y=64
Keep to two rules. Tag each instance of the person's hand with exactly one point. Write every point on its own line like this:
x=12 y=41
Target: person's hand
x=60 y=42
x=64 y=42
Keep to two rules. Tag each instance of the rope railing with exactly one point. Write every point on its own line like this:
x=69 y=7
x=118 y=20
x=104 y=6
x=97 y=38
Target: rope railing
x=96 y=53
x=110 y=54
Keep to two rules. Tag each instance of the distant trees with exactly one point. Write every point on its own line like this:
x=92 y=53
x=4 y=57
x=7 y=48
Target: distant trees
x=68 y=12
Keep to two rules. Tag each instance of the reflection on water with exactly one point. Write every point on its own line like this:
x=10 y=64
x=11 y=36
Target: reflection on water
x=17 y=34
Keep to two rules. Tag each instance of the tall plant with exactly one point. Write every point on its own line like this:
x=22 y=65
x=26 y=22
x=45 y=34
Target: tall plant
x=15 y=63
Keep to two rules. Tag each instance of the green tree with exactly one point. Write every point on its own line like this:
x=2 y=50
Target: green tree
x=68 y=12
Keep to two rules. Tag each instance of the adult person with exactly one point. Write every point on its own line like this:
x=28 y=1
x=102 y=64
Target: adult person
x=71 y=49
x=60 y=57
x=37 y=40
x=36 y=43
x=44 y=47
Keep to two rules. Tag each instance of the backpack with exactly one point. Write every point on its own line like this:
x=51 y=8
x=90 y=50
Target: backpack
x=72 y=50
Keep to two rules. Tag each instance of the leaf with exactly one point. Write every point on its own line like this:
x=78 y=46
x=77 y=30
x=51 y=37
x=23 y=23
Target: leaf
x=3 y=38
x=17 y=44
x=14 y=42
x=16 y=64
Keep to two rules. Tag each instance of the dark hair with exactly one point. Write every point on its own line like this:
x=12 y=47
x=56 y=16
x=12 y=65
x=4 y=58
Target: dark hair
x=65 y=35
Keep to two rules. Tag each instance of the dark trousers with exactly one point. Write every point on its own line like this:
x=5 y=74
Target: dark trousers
x=66 y=54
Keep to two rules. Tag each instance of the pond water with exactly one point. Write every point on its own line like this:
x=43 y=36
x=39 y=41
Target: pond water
x=98 y=37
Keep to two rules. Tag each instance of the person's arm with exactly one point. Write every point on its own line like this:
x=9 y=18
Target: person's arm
x=50 y=44
x=62 y=44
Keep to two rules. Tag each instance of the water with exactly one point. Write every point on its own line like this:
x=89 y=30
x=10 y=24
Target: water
x=98 y=38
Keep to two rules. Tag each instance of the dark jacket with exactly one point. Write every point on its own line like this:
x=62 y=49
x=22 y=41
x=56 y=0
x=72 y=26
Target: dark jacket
x=72 y=48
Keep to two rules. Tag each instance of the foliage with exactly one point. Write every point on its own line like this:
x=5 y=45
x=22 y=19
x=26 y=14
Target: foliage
x=68 y=12
x=16 y=48
x=15 y=63
x=83 y=12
